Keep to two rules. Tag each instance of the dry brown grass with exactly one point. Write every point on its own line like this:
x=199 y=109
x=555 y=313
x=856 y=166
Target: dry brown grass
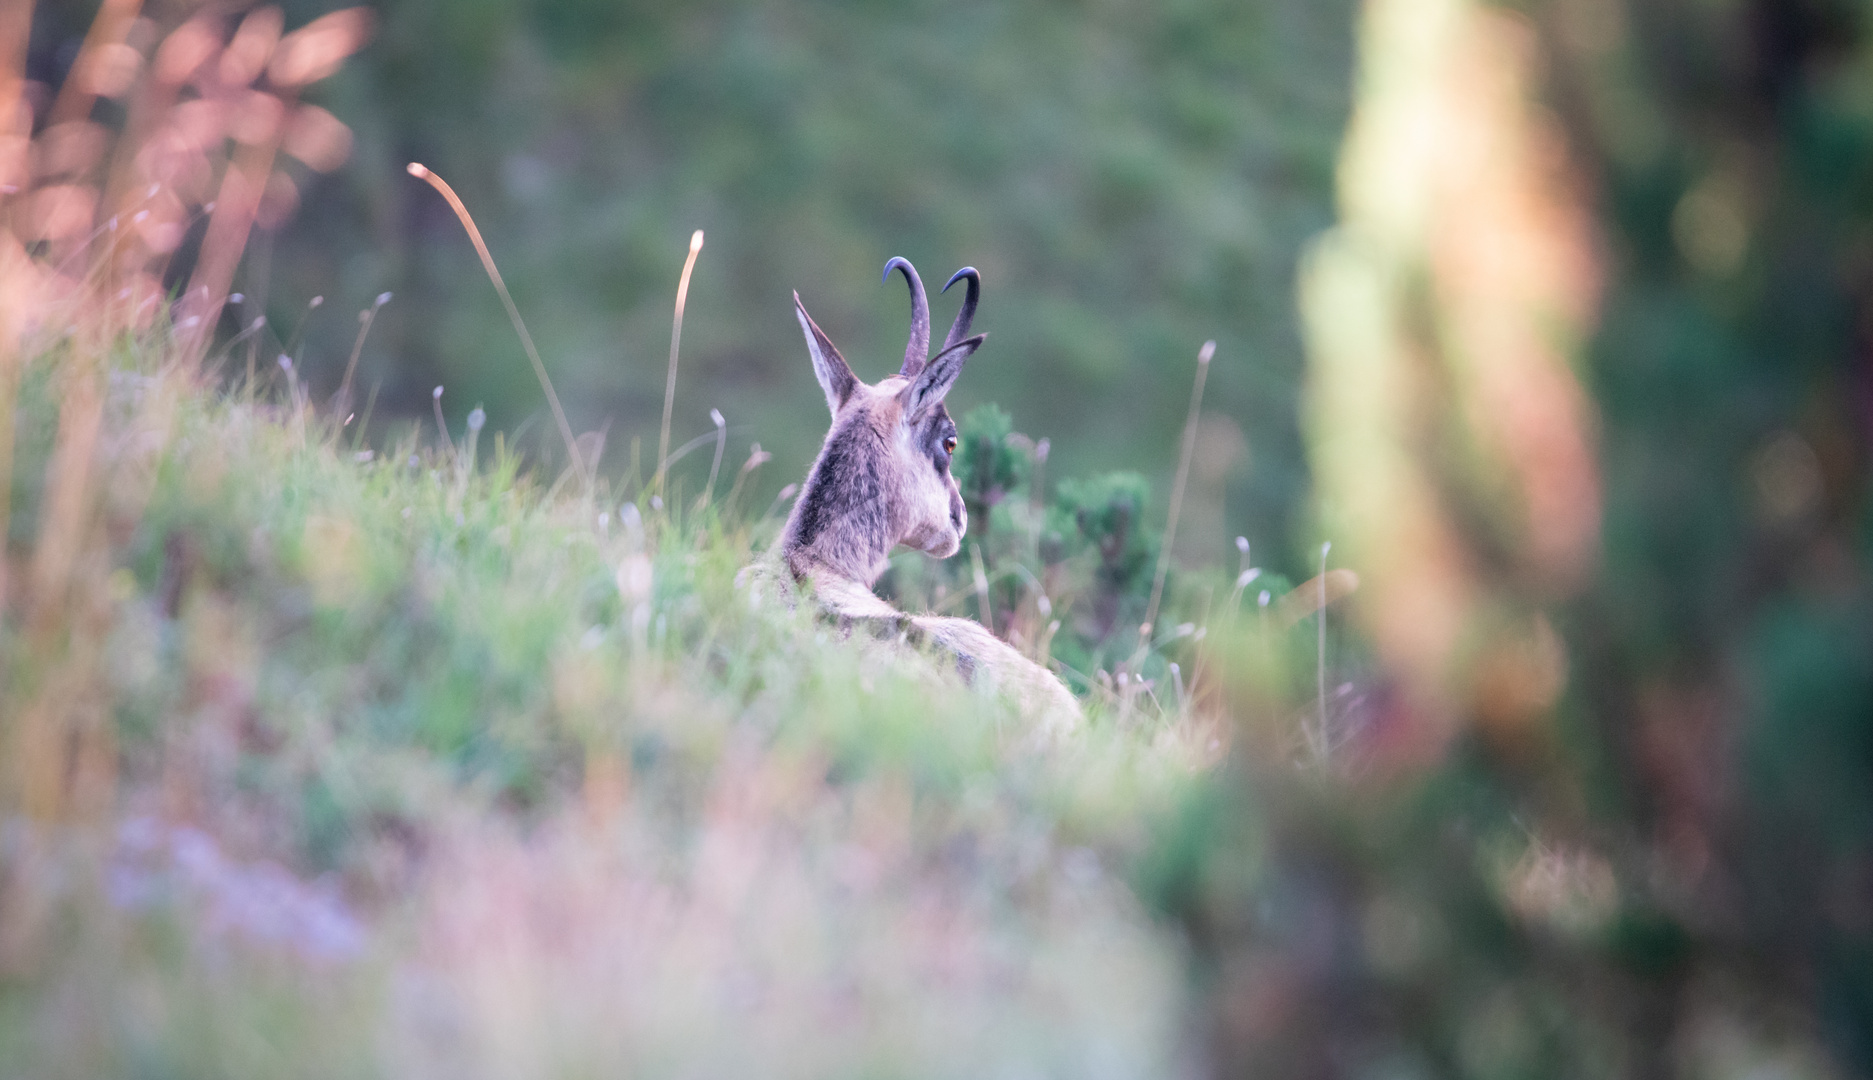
x=94 y=224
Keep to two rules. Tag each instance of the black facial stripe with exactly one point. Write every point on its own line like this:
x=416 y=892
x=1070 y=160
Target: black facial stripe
x=939 y=428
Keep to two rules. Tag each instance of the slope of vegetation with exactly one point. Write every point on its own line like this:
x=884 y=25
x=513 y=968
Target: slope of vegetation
x=351 y=761
x=334 y=748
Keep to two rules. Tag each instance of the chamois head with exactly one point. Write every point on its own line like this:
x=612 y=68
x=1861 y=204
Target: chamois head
x=882 y=477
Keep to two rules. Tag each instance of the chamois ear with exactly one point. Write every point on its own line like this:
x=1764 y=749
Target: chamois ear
x=834 y=374
x=933 y=383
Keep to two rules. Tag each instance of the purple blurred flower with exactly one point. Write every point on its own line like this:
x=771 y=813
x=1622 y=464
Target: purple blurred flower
x=261 y=903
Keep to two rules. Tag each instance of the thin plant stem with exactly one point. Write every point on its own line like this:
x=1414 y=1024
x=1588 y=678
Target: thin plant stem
x=422 y=172
x=465 y=461
x=342 y=400
x=1320 y=657
x=786 y=493
x=676 y=339
x=982 y=585
x=1245 y=574
x=756 y=458
x=299 y=332
x=223 y=245
x=253 y=328
x=721 y=443
x=259 y=275
x=253 y=368
x=683 y=451
x=364 y=421
x=1177 y=490
x=1037 y=484
x=1043 y=650
x=1037 y=496
x=442 y=426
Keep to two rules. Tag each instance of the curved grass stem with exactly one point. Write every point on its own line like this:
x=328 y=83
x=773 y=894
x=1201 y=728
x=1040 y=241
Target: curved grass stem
x=676 y=339
x=422 y=172
x=1177 y=489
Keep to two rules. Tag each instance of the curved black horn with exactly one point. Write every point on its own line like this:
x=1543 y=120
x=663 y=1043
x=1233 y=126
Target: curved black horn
x=960 y=328
x=917 y=350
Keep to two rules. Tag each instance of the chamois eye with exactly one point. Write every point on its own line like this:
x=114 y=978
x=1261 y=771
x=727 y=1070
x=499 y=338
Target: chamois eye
x=949 y=445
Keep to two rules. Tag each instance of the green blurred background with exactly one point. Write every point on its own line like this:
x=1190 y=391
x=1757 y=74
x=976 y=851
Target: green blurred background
x=1130 y=179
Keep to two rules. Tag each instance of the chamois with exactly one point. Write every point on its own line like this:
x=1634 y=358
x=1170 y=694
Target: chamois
x=882 y=478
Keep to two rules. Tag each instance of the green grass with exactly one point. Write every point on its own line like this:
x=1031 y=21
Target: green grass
x=418 y=769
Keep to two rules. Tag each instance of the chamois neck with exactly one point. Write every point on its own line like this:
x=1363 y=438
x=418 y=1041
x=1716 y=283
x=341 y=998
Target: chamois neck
x=840 y=526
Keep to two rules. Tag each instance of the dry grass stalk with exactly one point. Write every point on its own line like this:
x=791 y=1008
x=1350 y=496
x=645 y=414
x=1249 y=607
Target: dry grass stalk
x=715 y=467
x=341 y=401
x=979 y=576
x=676 y=339
x=422 y=172
x=1177 y=489
x=89 y=219
x=259 y=126
x=757 y=457
x=106 y=34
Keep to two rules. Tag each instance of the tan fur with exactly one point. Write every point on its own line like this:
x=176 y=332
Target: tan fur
x=982 y=659
x=988 y=661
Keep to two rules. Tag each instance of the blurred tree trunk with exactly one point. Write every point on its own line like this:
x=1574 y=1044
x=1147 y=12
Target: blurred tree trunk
x=1452 y=438
x=1726 y=648
x=1590 y=404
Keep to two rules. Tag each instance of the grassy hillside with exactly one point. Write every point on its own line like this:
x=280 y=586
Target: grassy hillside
x=339 y=760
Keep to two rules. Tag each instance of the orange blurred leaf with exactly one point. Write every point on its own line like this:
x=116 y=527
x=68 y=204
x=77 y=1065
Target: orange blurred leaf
x=246 y=56
x=69 y=149
x=184 y=51
x=21 y=110
x=256 y=118
x=277 y=202
x=109 y=69
x=171 y=160
x=199 y=124
x=15 y=162
x=315 y=50
x=1305 y=599
x=161 y=222
x=318 y=138
x=60 y=211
